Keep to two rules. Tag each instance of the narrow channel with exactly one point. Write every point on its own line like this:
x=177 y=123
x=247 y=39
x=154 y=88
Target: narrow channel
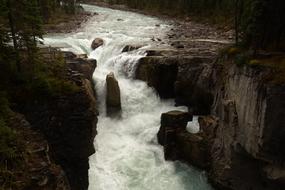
x=128 y=156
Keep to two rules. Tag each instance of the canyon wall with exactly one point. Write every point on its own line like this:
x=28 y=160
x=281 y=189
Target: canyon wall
x=68 y=122
x=249 y=137
x=243 y=126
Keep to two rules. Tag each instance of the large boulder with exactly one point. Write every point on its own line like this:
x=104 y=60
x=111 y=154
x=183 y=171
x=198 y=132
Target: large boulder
x=179 y=144
x=97 y=42
x=113 y=97
x=171 y=123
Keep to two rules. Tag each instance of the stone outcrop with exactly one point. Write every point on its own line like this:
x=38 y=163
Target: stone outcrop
x=97 y=42
x=244 y=133
x=68 y=122
x=113 y=95
x=187 y=79
x=250 y=133
x=178 y=144
x=242 y=140
x=160 y=73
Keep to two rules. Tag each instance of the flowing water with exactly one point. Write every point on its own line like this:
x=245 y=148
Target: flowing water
x=128 y=156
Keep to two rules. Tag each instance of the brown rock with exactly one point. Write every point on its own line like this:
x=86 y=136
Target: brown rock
x=97 y=42
x=193 y=148
x=171 y=123
x=178 y=143
x=113 y=98
x=160 y=73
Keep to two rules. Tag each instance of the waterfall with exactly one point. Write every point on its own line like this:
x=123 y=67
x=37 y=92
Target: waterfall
x=128 y=156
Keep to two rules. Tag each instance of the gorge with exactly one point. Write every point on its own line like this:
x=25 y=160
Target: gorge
x=127 y=152
x=142 y=95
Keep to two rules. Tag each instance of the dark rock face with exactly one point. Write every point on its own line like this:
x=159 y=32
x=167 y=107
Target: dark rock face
x=187 y=79
x=178 y=143
x=69 y=123
x=172 y=120
x=83 y=66
x=113 y=99
x=241 y=144
x=97 y=42
x=160 y=73
x=251 y=116
x=193 y=84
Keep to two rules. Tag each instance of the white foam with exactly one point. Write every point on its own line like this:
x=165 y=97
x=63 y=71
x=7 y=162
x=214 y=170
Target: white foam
x=128 y=156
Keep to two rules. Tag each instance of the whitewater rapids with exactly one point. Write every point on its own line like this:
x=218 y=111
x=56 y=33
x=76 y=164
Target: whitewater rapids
x=128 y=156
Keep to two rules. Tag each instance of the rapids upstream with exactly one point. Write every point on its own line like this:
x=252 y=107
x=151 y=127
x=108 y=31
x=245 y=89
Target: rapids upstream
x=128 y=156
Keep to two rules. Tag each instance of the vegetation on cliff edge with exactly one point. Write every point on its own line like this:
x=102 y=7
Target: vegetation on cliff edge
x=26 y=73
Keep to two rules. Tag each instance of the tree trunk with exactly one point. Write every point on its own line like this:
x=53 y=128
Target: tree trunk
x=13 y=33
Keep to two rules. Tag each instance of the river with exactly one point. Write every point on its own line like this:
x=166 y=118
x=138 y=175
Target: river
x=128 y=156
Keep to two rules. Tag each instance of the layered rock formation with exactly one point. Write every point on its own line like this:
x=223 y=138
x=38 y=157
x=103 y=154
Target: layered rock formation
x=68 y=122
x=242 y=142
x=160 y=73
x=250 y=132
x=187 y=79
x=178 y=143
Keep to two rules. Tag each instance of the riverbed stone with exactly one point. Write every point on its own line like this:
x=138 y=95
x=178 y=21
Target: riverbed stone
x=97 y=42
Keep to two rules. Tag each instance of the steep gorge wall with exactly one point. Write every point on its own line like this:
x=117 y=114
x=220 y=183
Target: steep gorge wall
x=184 y=78
x=68 y=122
x=250 y=131
x=245 y=133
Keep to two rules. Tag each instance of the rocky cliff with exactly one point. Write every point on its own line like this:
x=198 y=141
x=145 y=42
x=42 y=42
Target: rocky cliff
x=68 y=121
x=241 y=142
x=184 y=78
x=249 y=136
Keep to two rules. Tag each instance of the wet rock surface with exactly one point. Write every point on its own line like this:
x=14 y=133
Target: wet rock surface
x=187 y=79
x=181 y=145
x=245 y=130
x=183 y=70
x=113 y=96
x=97 y=42
x=160 y=73
x=243 y=133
